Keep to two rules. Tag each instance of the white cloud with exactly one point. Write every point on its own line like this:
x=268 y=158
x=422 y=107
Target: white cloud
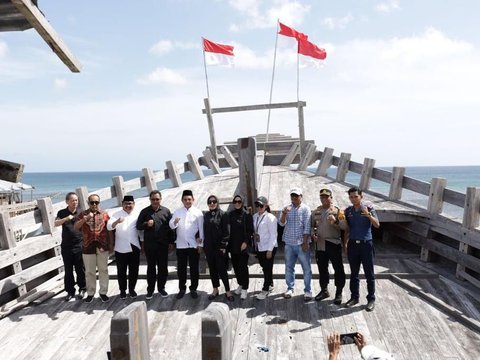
x=3 y=48
x=162 y=47
x=163 y=75
x=337 y=23
x=388 y=6
x=287 y=11
x=60 y=83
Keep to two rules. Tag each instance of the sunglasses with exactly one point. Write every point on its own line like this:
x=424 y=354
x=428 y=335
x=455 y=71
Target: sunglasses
x=237 y=201
x=94 y=202
x=259 y=205
x=294 y=195
x=155 y=199
x=211 y=202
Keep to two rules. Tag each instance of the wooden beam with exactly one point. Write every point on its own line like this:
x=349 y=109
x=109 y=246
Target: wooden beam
x=396 y=184
x=435 y=198
x=229 y=157
x=343 y=166
x=325 y=162
x=212 y=164
x=294 y=150
x=46 y=210
x=195 y=167
x=118 y=184
x=48 y=33
x=247 y=165
x=211 y=129
x=307 y=157
x=471 y=219
x=173 y=174
x=257 y=107
x=301 y=130
x=7 y=238
x=149 y=180
x=82 y=194
x=366 y=176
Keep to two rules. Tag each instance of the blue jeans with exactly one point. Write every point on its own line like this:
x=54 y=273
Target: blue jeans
x=361 y=254
x=292 y=253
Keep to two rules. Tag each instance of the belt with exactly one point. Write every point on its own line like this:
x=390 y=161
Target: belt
x=360 y=241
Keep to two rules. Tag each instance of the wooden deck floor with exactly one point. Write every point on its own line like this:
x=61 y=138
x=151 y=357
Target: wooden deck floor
x=291 y=329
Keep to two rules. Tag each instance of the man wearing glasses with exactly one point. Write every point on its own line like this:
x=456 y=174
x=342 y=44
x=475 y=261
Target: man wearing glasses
x=96 y=247
x=127 y=246
x=295 y=218
x=188 y=221
x=158 y=240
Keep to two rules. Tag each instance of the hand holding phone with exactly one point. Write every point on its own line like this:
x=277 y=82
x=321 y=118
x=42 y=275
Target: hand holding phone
x=347 y=339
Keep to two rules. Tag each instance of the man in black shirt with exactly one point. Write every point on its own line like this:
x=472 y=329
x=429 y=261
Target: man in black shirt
x=158 y=240
x=71 y=247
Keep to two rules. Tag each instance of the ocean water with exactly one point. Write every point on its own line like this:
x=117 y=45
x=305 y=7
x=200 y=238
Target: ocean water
x=57 y=184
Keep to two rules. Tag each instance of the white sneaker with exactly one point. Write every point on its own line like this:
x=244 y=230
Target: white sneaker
x=288 y=294
x=307 y=296
x=238 y=290
x=244 y=294
x=263 y=295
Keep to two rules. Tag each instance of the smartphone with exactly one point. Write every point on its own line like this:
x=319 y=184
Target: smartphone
x=347 y=339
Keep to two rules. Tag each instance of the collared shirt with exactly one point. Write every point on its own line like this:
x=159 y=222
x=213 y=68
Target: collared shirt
x=188 y=228
x=160 y=232
x=94 y=232
x=265 y=226
x=360 y=227
x=71 y=238
x=323 y=229
x=297 y=224
x=126 y=233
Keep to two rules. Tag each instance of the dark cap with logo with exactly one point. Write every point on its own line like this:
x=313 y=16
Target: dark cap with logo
x=262 y=200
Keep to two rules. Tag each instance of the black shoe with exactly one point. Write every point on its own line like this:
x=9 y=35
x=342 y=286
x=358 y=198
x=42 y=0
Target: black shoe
x=89 y=299
x=338 y=299
x=322 y=295
x=149 y=296
x=163 y=293
x=370 y=305
x=132 y=294
x=213 y=295
x=180 y=294
x=351 y=302
x=81 y=293
x=69 y=297
x=104 y=298
x=123 y=295
x=193 y=294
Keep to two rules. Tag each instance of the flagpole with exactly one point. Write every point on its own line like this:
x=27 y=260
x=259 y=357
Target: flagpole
x=298 y=73
x=206 y=75
x=271 y=85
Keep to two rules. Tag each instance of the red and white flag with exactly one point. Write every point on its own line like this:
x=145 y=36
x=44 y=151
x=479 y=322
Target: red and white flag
x=217 y=54
x=312 y=54
x=288 y=31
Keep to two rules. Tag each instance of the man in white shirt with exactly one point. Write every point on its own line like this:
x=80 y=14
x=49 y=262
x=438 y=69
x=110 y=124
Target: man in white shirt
x=127 y=246
x=188 y=222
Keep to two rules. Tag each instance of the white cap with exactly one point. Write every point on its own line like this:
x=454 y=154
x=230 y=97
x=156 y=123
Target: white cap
x=370 y=352
x=296 y=190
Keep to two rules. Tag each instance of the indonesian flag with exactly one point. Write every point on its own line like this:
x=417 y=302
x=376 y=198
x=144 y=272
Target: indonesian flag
x=312 y=53
x=288 y=31
x=217 y=54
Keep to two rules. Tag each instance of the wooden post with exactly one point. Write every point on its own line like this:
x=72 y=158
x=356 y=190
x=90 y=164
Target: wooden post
x=294 y=150
x=129 y=333
x=325 y=162
x=216 y=332
x=307 y=157
x=366 y=176
x=173 y=174
x=471 y=220
x=46 y=211
x=150 y=182
x=247 y=165
x=212 y=163
x=229 y=156
x=342 y=169
x=195 y=167
x=301 y=129
x=82 y=194
x=119 y=185
x=211 y=129
x=435 y=205
x=396 y=183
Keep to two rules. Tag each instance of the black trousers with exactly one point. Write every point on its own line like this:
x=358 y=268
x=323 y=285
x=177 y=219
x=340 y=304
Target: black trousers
x=332 y=253
x=188 y=256
x=240 y=266
x=217 y=265
x=267 y=266
x=73 y=260
x=130 y=261
x=157 y=258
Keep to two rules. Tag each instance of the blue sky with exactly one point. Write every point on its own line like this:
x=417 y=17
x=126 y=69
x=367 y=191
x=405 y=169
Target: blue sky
x=400 y=83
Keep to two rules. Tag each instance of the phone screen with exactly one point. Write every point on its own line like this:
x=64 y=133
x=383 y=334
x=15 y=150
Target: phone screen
x=347 y=339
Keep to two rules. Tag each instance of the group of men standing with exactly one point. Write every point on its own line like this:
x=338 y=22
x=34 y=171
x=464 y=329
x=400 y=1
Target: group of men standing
x=332 y=230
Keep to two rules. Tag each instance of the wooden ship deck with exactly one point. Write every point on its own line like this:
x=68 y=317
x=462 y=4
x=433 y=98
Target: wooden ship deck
x=427 y=267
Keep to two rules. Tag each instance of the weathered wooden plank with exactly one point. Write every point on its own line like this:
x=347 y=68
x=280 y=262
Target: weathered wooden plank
x=294 y=150
x=257 y=107
x=306 y=159
x=7 y=238
x=355 y=167
x=453 y=197
x=471 y=220
x=382 y=175
x=149 y=179
x=229 y=157
x=173 y=174
x=396 y=184
x=366 y=175
x=211 y=129
x=120 y=192
x=26 y=221
x=418 y=186
x=247 y=165
x=325 y=162
x=195 y=167
x=212 y=164
x=435 y=199
x=159 y=176
x=343 y=166
x=82 y=194
x=133 y=184
x=394 y=216
x=46 y=209
x=301 y=131
x=24 y=276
